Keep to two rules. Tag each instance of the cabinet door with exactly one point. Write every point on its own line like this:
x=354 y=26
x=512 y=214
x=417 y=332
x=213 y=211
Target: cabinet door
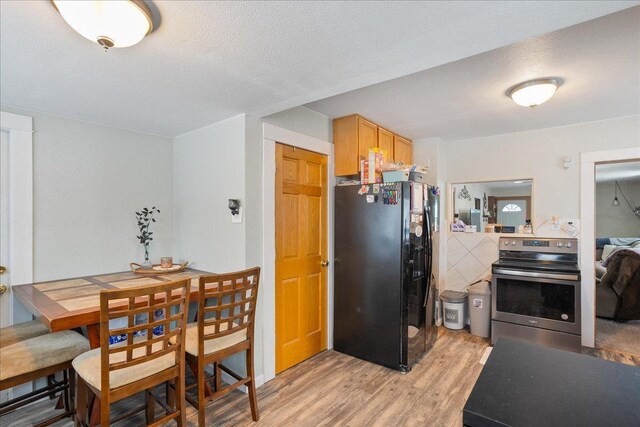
x=367 y=138
x=345 y=140
x=402 y=150
x=385 y=141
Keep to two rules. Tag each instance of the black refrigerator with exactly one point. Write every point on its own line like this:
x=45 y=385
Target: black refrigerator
x=383 y=301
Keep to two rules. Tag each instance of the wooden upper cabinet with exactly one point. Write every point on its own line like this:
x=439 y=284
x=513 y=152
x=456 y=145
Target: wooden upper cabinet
x=367 y=138
x=385 y=141
x=345 y=140
x=402 y=150
x=353 y=136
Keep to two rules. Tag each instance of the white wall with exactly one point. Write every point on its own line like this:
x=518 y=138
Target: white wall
x=511 y=192
x=88 y=182
x=253 y=228
x=620 y=221
x=431 y=152
x=208 y=170
x=534 y=154
x=303 y=120
x=538 y=154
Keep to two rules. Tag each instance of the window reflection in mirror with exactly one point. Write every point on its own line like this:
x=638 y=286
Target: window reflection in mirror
x=497 y=206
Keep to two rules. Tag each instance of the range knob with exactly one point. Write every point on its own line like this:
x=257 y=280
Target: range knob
x=506 y=243
x=568 y=245
x=559 y=244
x=513 y=243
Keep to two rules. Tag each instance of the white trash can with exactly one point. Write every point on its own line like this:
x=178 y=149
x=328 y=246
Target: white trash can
x=454 y=309
x=480 y=309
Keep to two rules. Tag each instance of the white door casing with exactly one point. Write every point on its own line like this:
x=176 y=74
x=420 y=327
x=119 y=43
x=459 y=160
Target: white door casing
x=16 y=216
x=270 y=135
x=19 y=130
x=587 y=245
x=5 y=306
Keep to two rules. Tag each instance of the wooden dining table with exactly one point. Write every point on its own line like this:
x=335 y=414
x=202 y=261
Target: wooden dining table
x=74 y=303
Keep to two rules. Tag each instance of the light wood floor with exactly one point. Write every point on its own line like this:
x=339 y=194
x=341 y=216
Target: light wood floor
x=332 y=389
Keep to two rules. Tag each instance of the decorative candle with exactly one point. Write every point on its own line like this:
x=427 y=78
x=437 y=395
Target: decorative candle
x=166 y=262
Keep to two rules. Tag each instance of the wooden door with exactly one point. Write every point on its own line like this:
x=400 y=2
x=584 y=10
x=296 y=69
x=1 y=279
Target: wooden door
x=367 y=138
x=402 y=150
x=301 y=250
x=385 y=141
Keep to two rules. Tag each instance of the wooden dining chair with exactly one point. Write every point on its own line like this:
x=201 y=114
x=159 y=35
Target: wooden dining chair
x=115 y=372
x=222 y=329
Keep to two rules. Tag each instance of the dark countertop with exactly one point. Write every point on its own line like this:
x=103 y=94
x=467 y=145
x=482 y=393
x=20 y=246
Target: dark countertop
x=524 y=384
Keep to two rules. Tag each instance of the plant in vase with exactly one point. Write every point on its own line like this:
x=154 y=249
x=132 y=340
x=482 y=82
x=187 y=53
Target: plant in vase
x=145 y=218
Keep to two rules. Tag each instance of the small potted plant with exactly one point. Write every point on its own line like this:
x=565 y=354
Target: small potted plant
x=145 y=218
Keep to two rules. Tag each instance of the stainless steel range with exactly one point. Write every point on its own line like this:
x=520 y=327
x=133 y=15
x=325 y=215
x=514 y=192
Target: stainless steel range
x=536 y=291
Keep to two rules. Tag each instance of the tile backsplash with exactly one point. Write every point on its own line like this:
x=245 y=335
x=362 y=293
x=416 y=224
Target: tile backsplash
x=469 y=258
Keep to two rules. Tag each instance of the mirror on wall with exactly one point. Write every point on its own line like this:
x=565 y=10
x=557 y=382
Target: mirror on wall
x=492 y=207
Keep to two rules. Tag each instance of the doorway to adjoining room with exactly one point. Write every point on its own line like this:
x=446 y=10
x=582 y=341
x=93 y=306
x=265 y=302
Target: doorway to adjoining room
x=617 y=261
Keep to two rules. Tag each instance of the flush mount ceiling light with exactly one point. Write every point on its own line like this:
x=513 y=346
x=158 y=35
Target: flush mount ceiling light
x=110 y=23
x=534 y=92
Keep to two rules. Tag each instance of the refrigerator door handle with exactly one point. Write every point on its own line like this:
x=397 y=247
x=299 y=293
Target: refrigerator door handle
x=427 y=253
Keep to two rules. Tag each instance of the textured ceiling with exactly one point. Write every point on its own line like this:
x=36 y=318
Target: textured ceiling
x=599 y=61
x=208 y=61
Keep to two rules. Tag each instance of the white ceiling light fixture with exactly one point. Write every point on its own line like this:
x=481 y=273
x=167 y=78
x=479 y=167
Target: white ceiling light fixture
x=110 y=23
x=534 y=92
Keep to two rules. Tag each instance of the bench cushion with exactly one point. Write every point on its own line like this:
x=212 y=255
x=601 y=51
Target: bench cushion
x=88 y=366
x=21 y=331
x=40 y=352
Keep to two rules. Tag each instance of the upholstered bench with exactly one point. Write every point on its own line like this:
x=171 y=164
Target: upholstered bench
x=21 y=331
x=38 y=357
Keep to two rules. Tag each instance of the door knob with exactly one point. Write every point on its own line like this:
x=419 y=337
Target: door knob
x=324 y=263
x=3 y=287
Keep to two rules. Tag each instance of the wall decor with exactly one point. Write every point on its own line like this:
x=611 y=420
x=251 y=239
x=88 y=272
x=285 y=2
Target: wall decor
x=464 y=194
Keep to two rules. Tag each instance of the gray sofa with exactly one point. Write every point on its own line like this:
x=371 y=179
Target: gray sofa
x=607 y=299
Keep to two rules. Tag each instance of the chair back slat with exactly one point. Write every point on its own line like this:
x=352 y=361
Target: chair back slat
x=162 y=340
x=141 y=345
x=235 y=304
x=116 y=314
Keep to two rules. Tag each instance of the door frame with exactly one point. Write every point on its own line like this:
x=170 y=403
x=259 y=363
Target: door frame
x=271 y=135
x=20 y=129
x=586 y=243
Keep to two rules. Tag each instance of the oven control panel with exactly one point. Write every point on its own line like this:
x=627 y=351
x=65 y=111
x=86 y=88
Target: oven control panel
x=532 y=244
x=536 y=243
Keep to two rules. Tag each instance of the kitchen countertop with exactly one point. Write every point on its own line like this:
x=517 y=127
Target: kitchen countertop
x=528 y=385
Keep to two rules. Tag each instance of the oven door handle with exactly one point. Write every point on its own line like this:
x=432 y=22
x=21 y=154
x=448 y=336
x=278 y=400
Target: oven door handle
x=536 y=274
